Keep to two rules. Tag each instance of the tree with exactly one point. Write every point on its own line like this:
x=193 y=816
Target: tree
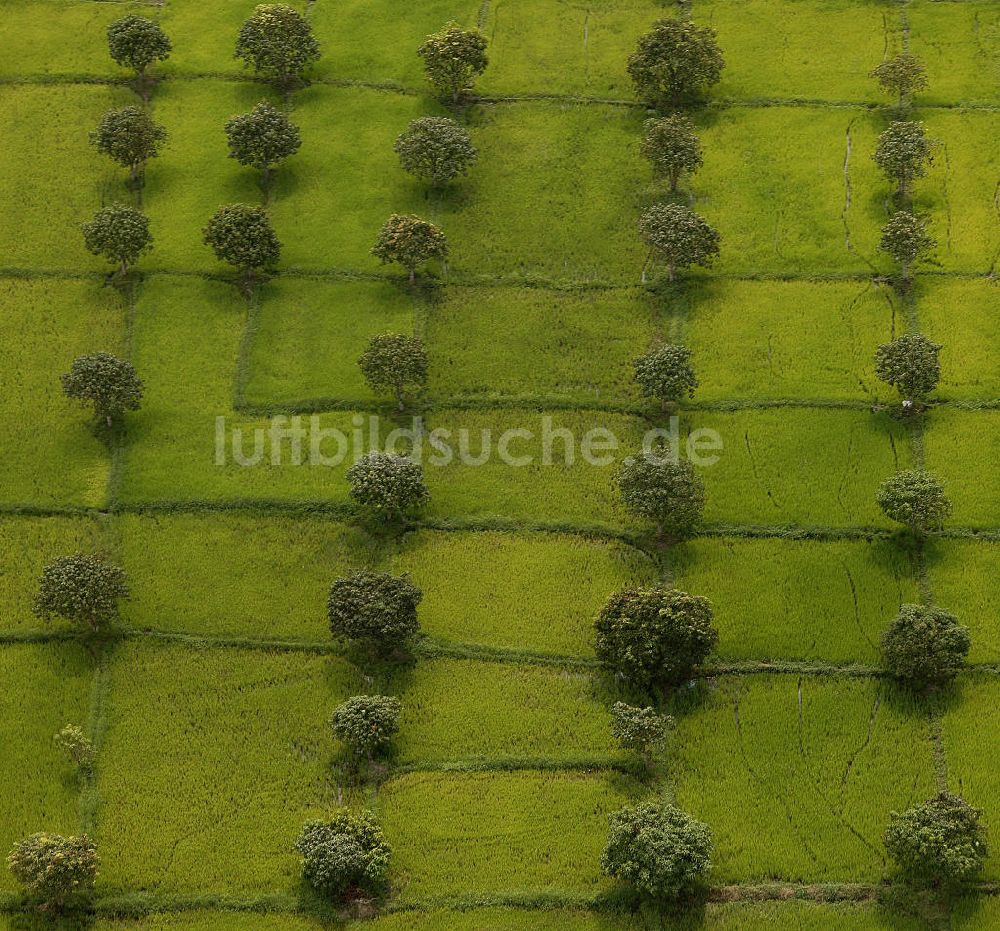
x=262 y=138
x=679 y=236
x=77 y=745
x=393 y=362
x=366 y=723
x=345 y=856
x=387 y=485
x=902 y=75
x=453 y=59
x=643 y=730
x=903 y=153
x=136 y=42
x=374 y=608
x=671 y=146
x=915 y=498
x=910 y=364
x=409 y=241
x=435 y=148
x=119 y=233
x=54 y=868
x=925 y=646
x=130 y=137
x=666 y=373
x=277 y=42
x=939 y=843
x=668 y=493
x=659 y=849
x=654 y=637
x=674 y=61
x=81 y=588
x=106 y=382
x=241 y=235
x=905 y=238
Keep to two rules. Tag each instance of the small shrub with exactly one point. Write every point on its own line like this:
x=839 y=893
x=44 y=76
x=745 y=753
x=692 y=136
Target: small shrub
x=641 y=730
x=81 y=588
x=344 y=857
x=109 y=384
x=387 y=486
x=366 y=723
x=55 y=869
x=77 y=745
x=376 y=609
x=925 y=646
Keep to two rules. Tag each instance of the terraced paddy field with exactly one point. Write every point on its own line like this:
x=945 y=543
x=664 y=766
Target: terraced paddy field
x=208 y=702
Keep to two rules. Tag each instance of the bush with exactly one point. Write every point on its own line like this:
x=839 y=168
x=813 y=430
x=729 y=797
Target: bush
x=54 y=868
x=940 y=842
x=136 y=42
x=911 y=365
x=119 y=233
x=393 y=363
x=241 y=235
x=903 y=153
x=81 y=588
x=366 y=723
x=109 y=384
x=666 y=373
x=666 y=492
x=435 y=148
x=374 y=608
x=915 y=498
x=277 y=42
x=409 y=241
x=262 y=138
x=345 y=856
x=387 y=486
x=925 y=646
x=453 y=59
x=679 y=236
x=130 y=137
x=672 y=147
x=642 y=730
x=674 y=61
x=659 y=849
x=77 y=745
x=654 y=637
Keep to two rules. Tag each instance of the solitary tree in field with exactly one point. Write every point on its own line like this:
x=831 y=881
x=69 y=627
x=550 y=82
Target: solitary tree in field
x=376 y=609
x=674 y=61
x=940 y=843
x=409 y=241
x=660 y=850
x=666 y=492
x=654 y=637
x=277 y=42
x=393 y=362
x=435 y=149
x=262 y=138
x=106 y=382
x=387 y=486
x=130 y=137
x=118 y=233
x=453 y=59
x=666 y=373
x=346 y=857
x=679 y=236
x=136 y=42
x=915 y=498
x=672 y=148
x=366 y=724
x=925 y=646
x=903 y=153
x=911 y=365
x=77 y=745
x=81 y=588
x=59 y=871
x=641 y=730
x=241 y=235
x=903 y=75
x=905 y=238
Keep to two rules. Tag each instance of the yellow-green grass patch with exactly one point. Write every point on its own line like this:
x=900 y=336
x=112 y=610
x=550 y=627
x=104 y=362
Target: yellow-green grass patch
x=214 y=920
x=976 y=913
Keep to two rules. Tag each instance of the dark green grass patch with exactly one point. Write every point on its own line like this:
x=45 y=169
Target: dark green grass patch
x=215 y=920
x=797 y=599
x=54 y=456
x=976 y=913
x=211 y=762
x=797 y=777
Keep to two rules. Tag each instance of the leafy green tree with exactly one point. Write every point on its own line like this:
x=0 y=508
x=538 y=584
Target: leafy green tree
x=130 y=137
x=672 y=147
x=393 y=362
x=905 y=238
x=81 y=588
x=366 y=723
x=106 y=382
x=654 y=637
x=679 y=236
x=939 y=843
x=387 y=485
x=903 y=75
x=911 y=365
x=136 y=42
x=453 y=59
x=242 y=235
x=408 y=240
x=58 y=870
x=659 y=849
x=435 y=148
x=376 y=609
x=666 y=492
x=641 y=730
x=925 y=646
x=346 y=856
x=277 y=42
x=77 y=745
x=903 y=153
x=915 y=498
x=262 y=138
x=118 y=233
x=666 y=373
x=676 y=60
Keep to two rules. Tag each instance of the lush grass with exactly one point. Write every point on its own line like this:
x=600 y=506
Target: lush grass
x=976 y=913
x=56 y=457
x=797 y=777
x=521 y=591
x=45 y=688
x=797 y=600
x=479 y=833
x=210 y=921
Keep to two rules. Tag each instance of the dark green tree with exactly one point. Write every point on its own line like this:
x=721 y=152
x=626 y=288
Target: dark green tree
x=106 y=382
x=905 y=238
x=679 y=236
x=915 y=498
x=672 y=148
x=642 y=730
x=453 y=59
x=668 y=493
x=278 y=43
x=59 y=871
x=903 y=153
x=345 y=857
x=136 y=42
x=376 y=609
x=387 y=486
x=241 y=235
x=81 y=588
x=666 y=373
x=118 y=233
x=675 y=61
x=130 y=137
x=262 y=138
x=903 y=76
x=409 y=241
x=366 y=724
x=435 y=149
x=911 y=365
x=393 y=362
x=925 y=646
